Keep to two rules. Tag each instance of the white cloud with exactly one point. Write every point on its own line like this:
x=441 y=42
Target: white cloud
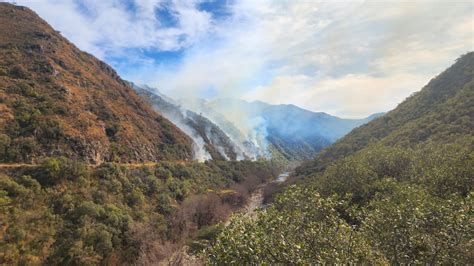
x=349 y=96
x=107 y=27
x=350 y=58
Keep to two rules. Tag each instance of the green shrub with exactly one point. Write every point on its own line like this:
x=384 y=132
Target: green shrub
x=22 y=149
x=411 y=226
x=135 y=198
x=4 y=145
x=24 y=89
x=55 y=169
x=12 y=188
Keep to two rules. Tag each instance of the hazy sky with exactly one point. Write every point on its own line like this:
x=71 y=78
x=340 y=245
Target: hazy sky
x=347 y=58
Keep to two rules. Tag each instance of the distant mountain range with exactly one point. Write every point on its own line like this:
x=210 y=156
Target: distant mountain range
x=237 y=129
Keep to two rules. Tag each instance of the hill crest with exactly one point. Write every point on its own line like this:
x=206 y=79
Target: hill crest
x=57 y=100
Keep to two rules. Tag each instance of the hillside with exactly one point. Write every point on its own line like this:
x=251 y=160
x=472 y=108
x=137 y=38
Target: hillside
x=441 y=112
x=210 y=142
x=277 y=130
x=58 y=100
x=398 y=190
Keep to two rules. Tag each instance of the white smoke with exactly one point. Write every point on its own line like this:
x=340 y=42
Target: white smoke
x=257 y=134
x=242 y=124
x=245 y=128
x=199 y=146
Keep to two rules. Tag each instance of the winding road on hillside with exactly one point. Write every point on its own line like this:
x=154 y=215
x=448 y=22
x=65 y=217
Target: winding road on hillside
x=127 y=165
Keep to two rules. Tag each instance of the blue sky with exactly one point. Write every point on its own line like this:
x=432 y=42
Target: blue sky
x=347 y=58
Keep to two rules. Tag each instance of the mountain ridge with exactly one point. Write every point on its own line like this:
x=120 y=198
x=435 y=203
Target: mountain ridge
x=57 y=100
x=410 y=122
x=291 y=131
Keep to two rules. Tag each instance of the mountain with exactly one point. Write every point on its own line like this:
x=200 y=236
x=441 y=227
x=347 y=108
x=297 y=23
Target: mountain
x=286 y=130
x=210 y=142
x=398 y=190
x=57 y=100
x=440 y=112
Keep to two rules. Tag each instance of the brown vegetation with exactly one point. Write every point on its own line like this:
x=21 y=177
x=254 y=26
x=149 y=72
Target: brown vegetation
x=58 y=100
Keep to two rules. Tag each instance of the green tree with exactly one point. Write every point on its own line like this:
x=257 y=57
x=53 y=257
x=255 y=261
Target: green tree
x=301 y=228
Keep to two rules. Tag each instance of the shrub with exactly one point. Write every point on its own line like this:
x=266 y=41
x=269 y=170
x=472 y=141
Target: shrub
x=163 y=204
x=18 y=72
x=12 y=188
x=54 y=169
x=108 y=171
x=301 y=228
x=23 y=88
x=410 y=226
x=22 y=149
x=29 y=182
x=111 y=130
x=4 y=145
x=135 y=198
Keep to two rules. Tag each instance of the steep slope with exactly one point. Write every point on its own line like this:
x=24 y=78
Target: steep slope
x=58 y=100
x=398 y=190
x=440 y=112
x=250 y=147
x=293 y=132
x=210 y=142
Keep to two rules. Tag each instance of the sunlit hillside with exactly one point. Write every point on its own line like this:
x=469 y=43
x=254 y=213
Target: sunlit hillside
x=243 y=132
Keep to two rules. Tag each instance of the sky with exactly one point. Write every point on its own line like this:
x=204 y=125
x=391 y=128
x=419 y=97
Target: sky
x=346 y=58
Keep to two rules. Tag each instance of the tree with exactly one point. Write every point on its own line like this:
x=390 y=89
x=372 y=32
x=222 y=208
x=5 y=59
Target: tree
x=301 y=228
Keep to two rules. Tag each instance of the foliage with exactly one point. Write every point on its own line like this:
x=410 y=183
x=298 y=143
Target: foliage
x=63 y=212
x=55 y=169
x=383 y=204
x=300 y=228
x=401 y=187
x=412 y=226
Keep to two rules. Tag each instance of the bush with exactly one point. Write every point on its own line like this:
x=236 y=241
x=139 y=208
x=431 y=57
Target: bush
x=163 y=204
x=23 y=88
x=55 y=169
x=111 y=130
x=18 y=72
x=22 y=149
x=12 y=188
x=411 y=226
x=301 y=228
x=135 y=198
x=4 y=145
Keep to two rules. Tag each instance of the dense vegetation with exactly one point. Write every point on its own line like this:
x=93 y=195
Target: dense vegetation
x=382 y=205
x=63 y=113
x=65 y=213
x=398 y=190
